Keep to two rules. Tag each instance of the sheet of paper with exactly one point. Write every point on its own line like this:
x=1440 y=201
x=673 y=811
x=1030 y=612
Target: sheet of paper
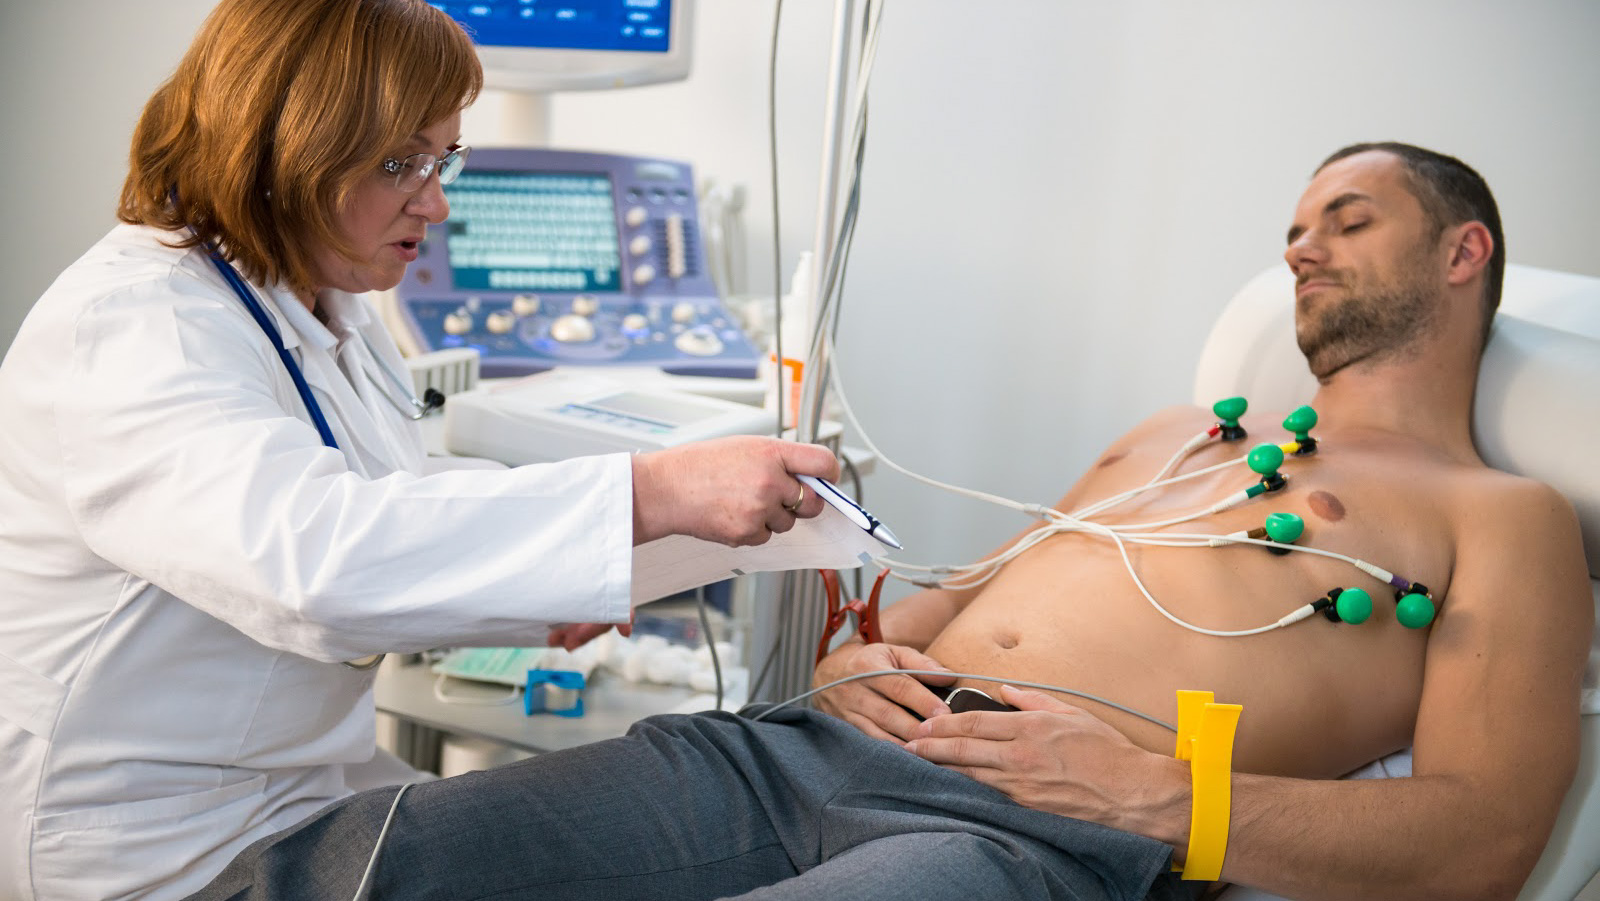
x=677 y=563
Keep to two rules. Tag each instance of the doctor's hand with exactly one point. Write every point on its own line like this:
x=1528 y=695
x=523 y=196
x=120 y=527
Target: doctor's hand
x=571 y=636
x=1055 y=757
x=880 y=706
x=735 y=491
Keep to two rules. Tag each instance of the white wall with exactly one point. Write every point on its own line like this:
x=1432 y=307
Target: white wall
x=1060 y=194
x=74 y=75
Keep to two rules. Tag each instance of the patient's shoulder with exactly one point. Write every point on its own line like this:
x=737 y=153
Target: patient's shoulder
x=1168 y=418
x=1517 y=530
x=1528 y=496
x=1493 y=503
x=1166 y=428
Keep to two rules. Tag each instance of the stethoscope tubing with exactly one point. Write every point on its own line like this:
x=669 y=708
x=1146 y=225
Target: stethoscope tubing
x=232 y=277
x=419 y=407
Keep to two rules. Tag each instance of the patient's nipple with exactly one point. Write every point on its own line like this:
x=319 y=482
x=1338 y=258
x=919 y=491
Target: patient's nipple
x=1326 y=506
x=1109 y=459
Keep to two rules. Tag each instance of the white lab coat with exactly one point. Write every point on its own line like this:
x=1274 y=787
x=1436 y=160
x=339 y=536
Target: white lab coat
x=183 y=566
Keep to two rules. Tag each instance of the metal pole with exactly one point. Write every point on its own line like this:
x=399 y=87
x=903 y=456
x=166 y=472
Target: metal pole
x=798 y=611
x=814 y=383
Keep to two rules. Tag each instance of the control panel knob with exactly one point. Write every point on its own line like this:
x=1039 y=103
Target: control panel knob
x=635 y=216
x=644 y=274
x=636 y=322
x=458 y=323
x=572 y=329
x=585 y=304
x=501 y=321
x=700 y=341
x=683 y=311
x=525 y=304
x=640 y=245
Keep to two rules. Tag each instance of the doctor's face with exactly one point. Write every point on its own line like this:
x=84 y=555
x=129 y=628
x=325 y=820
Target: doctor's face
x=383 y=224
x=1367 y=276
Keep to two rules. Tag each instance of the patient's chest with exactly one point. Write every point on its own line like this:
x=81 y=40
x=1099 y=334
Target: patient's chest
x=1320 y=697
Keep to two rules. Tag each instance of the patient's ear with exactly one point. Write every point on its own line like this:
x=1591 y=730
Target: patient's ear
x=1472 y=245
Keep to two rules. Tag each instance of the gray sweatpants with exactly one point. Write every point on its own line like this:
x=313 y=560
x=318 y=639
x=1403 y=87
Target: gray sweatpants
x=800 y=805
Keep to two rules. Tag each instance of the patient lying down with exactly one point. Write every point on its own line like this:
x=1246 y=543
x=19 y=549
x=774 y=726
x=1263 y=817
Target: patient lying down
x=1397 y=253
x=1390 y=317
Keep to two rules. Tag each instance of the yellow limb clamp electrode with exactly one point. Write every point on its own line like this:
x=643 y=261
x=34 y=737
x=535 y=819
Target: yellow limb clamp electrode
x=1205 y=739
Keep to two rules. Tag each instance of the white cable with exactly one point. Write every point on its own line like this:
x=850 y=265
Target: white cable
x=1228 y=502
x=364 y=890
x=1181 y=453
x=1041 y=686
x=979 y=573
x=1062 y=522
x=445 y=698
x=1218 y=633
x=1036 y=510
x=830 y=289
x=1103 y=505
x=976 y=574
x=830 y=300
x=1377 y=572
x=963 y=575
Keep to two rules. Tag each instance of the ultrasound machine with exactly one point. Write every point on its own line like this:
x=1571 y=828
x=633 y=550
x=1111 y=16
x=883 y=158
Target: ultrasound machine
x=568 y=258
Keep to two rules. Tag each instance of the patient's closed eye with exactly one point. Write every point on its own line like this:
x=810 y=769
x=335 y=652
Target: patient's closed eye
x=1355 y=226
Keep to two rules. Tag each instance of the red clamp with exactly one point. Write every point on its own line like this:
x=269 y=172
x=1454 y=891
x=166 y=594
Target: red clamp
x=865 y=613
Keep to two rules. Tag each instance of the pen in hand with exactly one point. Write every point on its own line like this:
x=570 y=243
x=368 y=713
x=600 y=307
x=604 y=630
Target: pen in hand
x=852 y=510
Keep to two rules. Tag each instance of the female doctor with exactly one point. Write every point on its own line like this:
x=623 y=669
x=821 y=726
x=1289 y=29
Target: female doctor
x=212 y=495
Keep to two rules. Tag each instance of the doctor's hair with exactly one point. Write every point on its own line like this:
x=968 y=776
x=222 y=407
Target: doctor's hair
x=278 y=111
x=1451 y=193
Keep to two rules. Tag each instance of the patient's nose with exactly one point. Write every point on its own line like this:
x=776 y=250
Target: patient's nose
x=1305 y=251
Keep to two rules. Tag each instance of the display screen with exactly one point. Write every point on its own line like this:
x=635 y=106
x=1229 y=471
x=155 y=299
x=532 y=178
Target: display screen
x=533 y=231
x=632 y=25
x=668 y=411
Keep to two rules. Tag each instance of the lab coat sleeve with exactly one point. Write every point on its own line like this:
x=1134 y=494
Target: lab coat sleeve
x=188 y=465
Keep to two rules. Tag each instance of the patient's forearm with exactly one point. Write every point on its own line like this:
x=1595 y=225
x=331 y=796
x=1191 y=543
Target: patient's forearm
x=1412 y=838
x=917 y=619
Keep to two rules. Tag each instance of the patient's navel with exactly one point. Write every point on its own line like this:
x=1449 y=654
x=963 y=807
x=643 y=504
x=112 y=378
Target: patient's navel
x=1326 y=506
x=1007 y=640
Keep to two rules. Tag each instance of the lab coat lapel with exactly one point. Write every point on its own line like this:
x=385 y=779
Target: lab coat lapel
x=387 y=404
x=358 y=434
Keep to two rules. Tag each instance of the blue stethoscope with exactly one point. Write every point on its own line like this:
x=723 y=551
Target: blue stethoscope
x=431 y=400
x=434 y=398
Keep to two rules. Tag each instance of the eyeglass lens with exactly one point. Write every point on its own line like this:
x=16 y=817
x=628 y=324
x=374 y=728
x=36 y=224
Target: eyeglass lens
x=415 y=169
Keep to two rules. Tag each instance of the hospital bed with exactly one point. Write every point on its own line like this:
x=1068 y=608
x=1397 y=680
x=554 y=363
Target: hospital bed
x=1537 y=415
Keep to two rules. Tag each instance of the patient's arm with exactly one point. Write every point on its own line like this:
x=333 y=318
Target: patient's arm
x=1495 y=741
x=1495 y=745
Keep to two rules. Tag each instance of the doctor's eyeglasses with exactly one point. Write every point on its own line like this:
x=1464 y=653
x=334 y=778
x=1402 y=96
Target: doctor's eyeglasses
x=411 y=172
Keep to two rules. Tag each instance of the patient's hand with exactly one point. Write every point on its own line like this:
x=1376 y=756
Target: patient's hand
x=880 y=706
x=1054 y=757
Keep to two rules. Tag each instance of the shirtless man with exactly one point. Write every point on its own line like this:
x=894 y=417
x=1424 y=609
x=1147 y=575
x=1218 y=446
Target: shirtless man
x=1395 y=285
x=1391 y=316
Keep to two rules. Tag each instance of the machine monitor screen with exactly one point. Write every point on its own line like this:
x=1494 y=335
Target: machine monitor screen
x=555 y=45
x=636 y=25
x=572 y=258
x=533 y=231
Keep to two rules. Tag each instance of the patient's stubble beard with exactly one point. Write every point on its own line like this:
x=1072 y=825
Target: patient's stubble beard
x=1372 y=325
